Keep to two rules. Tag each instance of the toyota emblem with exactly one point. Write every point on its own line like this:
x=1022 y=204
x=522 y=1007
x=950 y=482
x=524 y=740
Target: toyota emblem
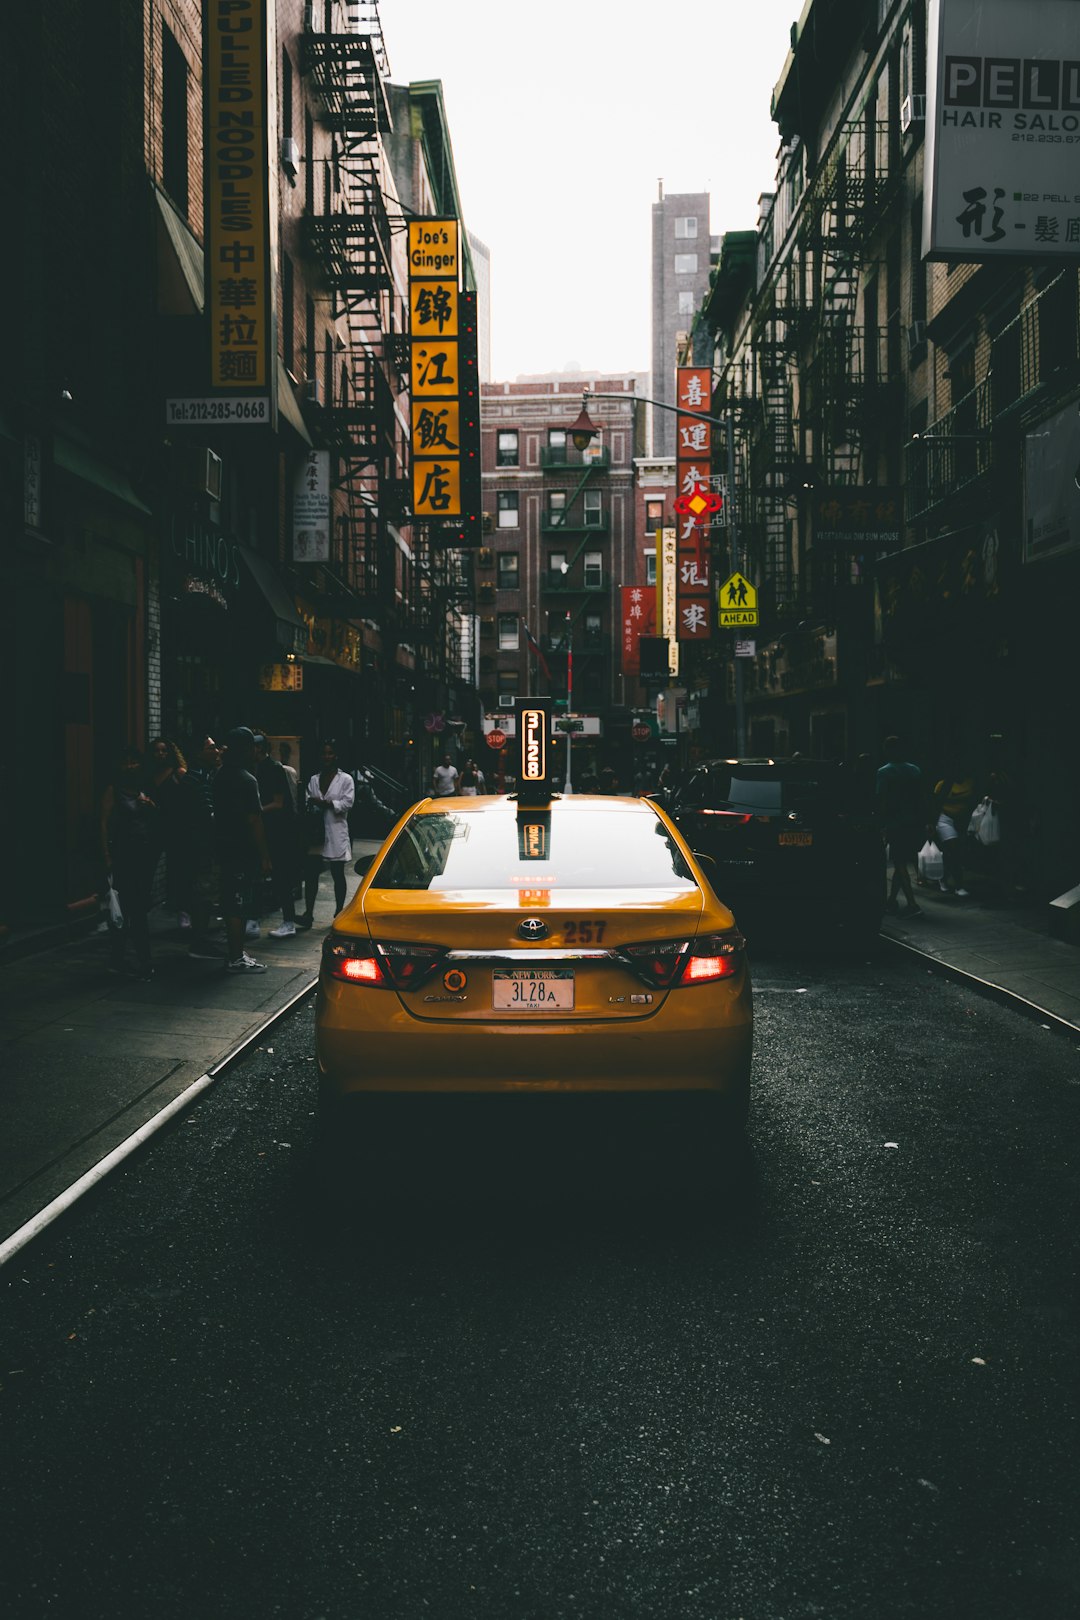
x=533 y=928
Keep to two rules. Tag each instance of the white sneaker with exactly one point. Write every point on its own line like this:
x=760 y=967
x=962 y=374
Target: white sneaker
x=184 y=920
x=963 y=893
x=251 y=929
x=245 y=964
x=284 y=930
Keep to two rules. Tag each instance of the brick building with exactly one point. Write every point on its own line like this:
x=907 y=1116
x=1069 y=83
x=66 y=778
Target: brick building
x=681 y=260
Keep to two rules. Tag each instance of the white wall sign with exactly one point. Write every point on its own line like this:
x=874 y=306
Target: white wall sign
x=1002 y=130
x=311 y=508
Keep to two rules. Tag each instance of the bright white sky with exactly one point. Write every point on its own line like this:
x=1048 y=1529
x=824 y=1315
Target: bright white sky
x=563 y=118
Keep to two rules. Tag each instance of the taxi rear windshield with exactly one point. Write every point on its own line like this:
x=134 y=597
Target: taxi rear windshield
x=445 y=850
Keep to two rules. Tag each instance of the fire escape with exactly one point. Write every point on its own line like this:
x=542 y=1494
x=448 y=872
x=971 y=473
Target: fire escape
x=845 y=365
x=347 y=233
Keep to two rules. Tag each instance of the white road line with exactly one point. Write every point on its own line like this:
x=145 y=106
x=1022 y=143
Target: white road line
x=90 y=1178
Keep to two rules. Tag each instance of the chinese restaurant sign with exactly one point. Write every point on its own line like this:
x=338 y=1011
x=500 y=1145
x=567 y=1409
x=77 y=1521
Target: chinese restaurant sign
x=1002 y=127
x=239 y=287
x=667 y=596
x=638 y=619
x=435 y=367
x=862 y=517
x=694 y=503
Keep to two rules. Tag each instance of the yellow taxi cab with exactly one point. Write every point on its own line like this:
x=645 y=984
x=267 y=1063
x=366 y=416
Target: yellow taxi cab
x=534 y=944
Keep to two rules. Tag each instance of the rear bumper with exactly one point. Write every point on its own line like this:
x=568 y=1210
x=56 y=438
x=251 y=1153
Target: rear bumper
x=700 y=1041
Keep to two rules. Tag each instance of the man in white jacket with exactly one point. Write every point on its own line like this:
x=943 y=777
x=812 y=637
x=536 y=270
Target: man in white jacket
x=332 y=790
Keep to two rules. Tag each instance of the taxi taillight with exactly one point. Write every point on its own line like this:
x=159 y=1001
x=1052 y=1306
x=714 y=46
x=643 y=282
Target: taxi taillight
x=380 y=964
x=669 y=962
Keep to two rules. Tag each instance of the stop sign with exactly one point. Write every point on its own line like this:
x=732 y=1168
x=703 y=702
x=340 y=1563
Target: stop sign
x=496 y=739
x=640 y=733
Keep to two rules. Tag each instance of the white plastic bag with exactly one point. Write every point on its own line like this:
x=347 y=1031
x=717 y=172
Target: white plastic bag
x=931 y=865
x=985 y=823
x=116 y=916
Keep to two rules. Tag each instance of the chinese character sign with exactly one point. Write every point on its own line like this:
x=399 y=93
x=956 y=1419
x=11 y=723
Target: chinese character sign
x=311 y=509
x=1002 y=129
x=237 y=203
x=695 y=504
x=638 y=619
x=435 y=367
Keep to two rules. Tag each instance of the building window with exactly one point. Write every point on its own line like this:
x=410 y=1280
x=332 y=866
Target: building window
x=594 y=508
x=686 y=226
x=174 y=120
x=650 y=568
x=557 y=440
x=686 y=264
x=557 y=565
x=508 y=632
x=508 y=570
x=654 y=516
x=594 y=568
x=686 y=303
x=507 y=502
x=507 y=453
x=593 y=629
x=556 y=506
x=288 y=313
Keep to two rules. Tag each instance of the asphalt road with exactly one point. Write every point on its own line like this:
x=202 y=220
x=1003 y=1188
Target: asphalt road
x=546 y=1373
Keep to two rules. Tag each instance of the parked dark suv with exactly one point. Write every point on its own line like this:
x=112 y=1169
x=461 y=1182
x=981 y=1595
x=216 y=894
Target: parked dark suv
x=794 y=842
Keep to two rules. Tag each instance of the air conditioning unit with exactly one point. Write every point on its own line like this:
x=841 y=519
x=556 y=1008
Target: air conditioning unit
x=912 y=111
x=312 y=390
x=485 y=557
x=205 y=471
x=487 y=627
x=916 y=336
x=506 y=701
x=290 y=155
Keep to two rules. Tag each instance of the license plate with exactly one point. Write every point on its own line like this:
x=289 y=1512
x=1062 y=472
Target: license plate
x=533 y=990
x=803 y=839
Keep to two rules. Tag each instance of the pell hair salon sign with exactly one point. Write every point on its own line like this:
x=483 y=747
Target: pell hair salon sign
x=1002 y=130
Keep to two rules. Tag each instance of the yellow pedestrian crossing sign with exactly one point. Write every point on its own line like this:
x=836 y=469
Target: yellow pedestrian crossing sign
x=738 y=603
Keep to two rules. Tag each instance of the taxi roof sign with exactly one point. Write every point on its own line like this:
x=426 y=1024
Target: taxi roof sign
x=737 y=602
x=534 y=750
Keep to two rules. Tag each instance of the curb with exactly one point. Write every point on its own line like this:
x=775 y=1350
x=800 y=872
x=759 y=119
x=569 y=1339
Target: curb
x=64 y=1201
x=987 y=987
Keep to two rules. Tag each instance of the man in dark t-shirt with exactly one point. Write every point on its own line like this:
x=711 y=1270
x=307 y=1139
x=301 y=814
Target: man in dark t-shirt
x=241 y=843
x=901 y=809
x=279 y=824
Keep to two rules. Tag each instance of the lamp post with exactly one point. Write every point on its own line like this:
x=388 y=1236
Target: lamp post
x=584 y=429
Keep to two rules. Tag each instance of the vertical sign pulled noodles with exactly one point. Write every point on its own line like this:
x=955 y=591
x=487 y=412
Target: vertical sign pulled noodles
x=1002 y=130
x=239 y=288
x=693 y=468
x=435 y=366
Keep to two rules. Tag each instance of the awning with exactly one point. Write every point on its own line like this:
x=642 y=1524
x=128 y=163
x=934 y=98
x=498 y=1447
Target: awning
x=290 y=630
x=82 y=462
x=186 y=250
x=287 y=406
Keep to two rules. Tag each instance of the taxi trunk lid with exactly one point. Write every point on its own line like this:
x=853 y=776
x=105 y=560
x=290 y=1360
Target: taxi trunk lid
x=561 y=966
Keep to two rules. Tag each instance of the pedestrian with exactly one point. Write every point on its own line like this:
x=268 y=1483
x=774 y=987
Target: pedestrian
x=130 y=846
x=201 y=873
x=240 y=838
x=481 y=779
x=279 y=825
x=293 y=775
x=608 y=782
x=469 y=784
x=331 y=791
x=166 y=769
x=901 y=814
x=445 y=779
x=954 y=800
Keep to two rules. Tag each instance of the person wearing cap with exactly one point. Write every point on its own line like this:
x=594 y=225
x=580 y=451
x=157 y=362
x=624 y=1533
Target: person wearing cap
x=241 y=843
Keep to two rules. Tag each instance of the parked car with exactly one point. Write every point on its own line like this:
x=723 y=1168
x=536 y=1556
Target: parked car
x=792 y=842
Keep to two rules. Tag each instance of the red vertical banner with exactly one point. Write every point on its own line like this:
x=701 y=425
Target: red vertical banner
x=638 y=619
x=693 y=468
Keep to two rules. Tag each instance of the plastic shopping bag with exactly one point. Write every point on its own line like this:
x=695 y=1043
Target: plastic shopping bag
x=931 y=865
x=116 y=916
x=985 y=823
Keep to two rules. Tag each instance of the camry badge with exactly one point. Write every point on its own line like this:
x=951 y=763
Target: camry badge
x=533 y=928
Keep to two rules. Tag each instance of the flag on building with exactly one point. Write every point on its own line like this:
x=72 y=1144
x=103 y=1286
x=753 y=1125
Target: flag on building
x=534 y=646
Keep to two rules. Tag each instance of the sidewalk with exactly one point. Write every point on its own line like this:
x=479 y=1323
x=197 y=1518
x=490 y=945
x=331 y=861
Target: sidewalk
x=86 y=1058
x=1007 y=946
